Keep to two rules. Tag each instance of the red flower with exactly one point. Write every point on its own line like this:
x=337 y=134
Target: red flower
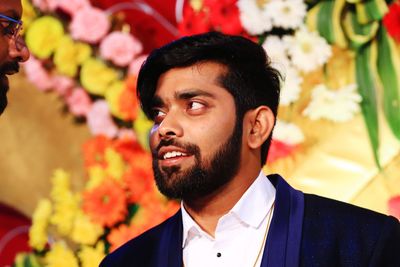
x=105 y=204
x=279 y=150
x=392 y=21
x=94 y=149
x=194 y=22
x=394 y=206
x=224 y=16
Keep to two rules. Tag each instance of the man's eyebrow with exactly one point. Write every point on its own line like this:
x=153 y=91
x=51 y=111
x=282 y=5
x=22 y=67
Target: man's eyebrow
x=12 y=14
x=190 y=93
x=156 y=101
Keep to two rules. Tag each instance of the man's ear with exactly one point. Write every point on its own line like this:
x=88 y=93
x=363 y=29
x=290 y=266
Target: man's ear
x=259 y=123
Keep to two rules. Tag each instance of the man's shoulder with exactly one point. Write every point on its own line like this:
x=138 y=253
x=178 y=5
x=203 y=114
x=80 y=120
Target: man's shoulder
x=321 y=208
x=346 y=233
x=140 y=250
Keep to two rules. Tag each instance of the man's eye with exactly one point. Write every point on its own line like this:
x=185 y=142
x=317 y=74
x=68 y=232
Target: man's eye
x=158 y=115
x=7 y=28
x=195 y=105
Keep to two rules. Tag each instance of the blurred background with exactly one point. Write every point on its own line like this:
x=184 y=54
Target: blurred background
x=75 y=171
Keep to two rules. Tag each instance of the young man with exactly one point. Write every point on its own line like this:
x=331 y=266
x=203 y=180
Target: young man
x=12 y=47
x=213 y=99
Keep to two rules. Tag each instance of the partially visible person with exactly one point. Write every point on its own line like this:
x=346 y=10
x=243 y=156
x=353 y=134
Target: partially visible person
x=12 y=46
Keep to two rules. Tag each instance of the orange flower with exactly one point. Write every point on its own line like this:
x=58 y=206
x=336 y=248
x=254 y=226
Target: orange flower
x=121 y=235
x=156 y=205
x=106 y=203
x=138 y=181
x=128 y=148
x=128 y=102
x=94 y=149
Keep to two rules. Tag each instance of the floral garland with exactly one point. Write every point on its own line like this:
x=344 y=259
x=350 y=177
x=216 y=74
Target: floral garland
x=93 y=68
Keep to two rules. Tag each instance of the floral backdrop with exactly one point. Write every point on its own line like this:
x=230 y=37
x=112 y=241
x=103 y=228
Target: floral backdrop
x=90 y=57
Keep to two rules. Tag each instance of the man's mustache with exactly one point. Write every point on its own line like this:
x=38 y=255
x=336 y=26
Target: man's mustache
x=9 y=68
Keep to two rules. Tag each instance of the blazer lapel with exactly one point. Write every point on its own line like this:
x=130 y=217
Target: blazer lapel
x=170 y=244
x=284 y=237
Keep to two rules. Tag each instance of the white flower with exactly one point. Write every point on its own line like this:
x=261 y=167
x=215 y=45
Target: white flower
x=288 y=133
x=253 y=19
x=307 y=50
x=291 y=86
x=336 y=105
x=287 y=14
x=275 y=49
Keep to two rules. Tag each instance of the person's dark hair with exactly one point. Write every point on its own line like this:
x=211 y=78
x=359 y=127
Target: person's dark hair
x=249 y=77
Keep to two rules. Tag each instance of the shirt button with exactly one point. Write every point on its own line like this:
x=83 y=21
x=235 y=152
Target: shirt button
x=219 y=254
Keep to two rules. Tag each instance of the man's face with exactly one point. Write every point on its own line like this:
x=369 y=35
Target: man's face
x=12 y=50
x=195 y=141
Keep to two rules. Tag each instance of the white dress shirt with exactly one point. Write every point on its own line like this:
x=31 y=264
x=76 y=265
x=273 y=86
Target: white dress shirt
x=239 y=234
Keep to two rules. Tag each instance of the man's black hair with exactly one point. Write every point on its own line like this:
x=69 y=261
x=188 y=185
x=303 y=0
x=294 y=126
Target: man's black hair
x=249 y=77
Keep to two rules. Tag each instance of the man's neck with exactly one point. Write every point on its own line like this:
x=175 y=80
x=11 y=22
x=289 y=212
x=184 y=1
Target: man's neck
x=207 y=210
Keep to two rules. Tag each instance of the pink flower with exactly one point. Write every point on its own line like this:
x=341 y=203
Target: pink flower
x=89 y=24
x=63 y=84
x=135 y=65
x=394 y=206
x=38 y=75
x=79 y=102
x=120 y=48
x=45 y=5
x=99 y=120
x=72 y=6
x=127 y=134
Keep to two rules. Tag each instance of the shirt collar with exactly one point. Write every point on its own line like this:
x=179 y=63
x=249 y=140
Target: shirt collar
x=251 y=208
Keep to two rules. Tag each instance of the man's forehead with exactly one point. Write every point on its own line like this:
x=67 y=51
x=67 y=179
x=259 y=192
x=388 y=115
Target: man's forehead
x=11 y=8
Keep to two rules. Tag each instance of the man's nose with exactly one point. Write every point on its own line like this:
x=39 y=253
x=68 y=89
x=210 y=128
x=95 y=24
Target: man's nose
x=18 y=49
x=170 y=126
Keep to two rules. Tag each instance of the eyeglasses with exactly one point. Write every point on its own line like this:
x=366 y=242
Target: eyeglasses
x=10 y=27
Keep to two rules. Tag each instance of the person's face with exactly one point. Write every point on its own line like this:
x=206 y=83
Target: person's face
x=195 y=140
x=12 y=49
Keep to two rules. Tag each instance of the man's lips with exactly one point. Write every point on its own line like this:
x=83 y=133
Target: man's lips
x=172 y=155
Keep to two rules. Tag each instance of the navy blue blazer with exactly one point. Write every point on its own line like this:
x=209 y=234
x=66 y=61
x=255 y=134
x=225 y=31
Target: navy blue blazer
x=306 y=230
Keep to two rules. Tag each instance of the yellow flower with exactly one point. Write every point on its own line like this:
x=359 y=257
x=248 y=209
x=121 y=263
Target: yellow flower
x=29 y=13
x=66 y=204
x=43 y=36
x=142 y=128
x=115 y=164
x=96 y=176
x=96 y=77
x=85 y=231
x=91 y=257
x=69 y=55
x=40 y=221
x=113 y=95
x=60 y=256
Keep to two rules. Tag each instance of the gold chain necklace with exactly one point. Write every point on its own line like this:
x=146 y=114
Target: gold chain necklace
x=265 y=235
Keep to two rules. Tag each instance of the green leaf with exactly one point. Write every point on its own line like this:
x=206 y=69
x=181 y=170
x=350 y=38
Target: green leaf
x=371 y=10
x=389 y=72
x=365 y=76
x=325 y=17
x=358 y=34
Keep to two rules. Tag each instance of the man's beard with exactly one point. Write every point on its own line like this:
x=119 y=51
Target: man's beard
x=205 y=176
x=6 y=68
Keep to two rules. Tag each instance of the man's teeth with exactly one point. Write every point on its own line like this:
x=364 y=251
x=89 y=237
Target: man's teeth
x=173 y=154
